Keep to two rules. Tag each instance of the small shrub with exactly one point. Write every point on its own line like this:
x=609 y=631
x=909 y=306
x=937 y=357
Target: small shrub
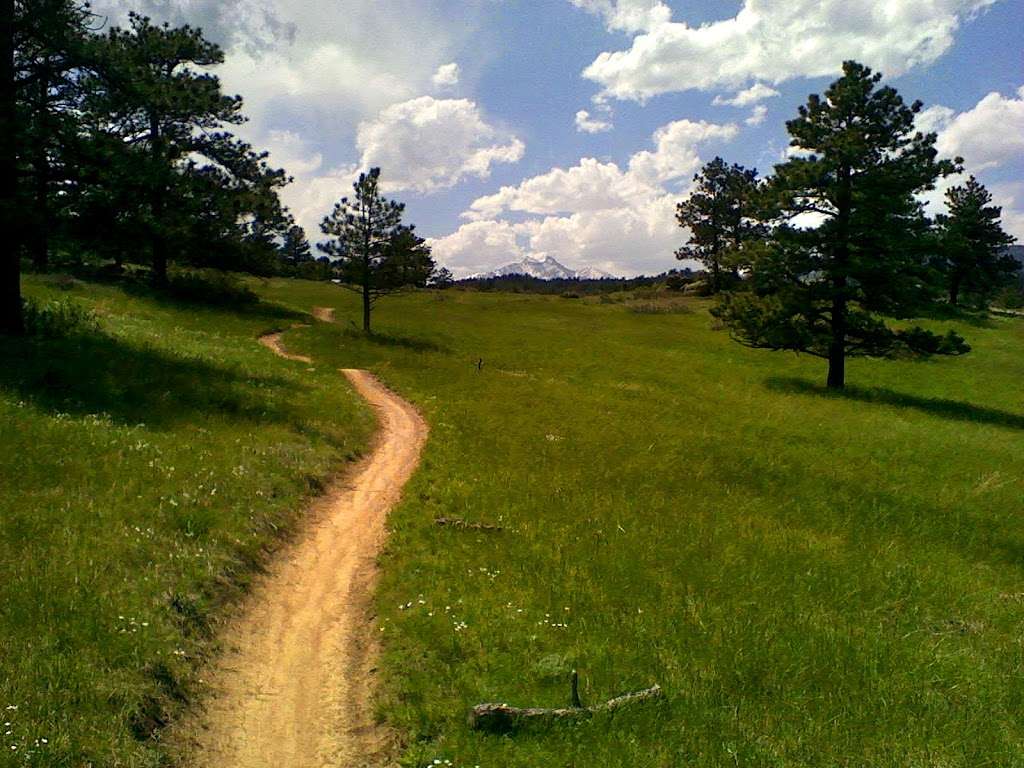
x=571 y=295
x=656 y=307
x=54 y=319
x=61 y=282
x=210 y=286
x=1010 y=298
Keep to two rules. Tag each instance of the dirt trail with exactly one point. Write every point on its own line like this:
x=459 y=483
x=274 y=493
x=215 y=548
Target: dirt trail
x=294 y=688
x=324 y=314
x=272 y=341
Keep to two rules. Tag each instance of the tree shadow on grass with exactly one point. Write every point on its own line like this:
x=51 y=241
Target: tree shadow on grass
x=394 y=340
x=256 y=309
x=96 y=373
x=976 y=318
x=947 y=409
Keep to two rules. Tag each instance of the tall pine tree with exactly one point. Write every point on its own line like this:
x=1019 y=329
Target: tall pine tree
x=152 y=93
x=720 y=216
x=849 y=243
x=374 y=253
x=973 y=243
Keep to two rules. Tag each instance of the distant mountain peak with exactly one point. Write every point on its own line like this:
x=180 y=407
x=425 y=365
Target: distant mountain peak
x=543 y=268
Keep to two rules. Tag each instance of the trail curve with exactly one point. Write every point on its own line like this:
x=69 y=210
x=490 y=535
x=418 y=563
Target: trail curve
x=294 y=687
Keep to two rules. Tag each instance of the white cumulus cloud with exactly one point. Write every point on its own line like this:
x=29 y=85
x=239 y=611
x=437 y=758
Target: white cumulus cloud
x=446 y=75
x=587 y=124
x=769 y=40
x=425 y=144
x=990 y=138
x=757 y=115
x=988 y=134
x=621 y=220
x=755 y=93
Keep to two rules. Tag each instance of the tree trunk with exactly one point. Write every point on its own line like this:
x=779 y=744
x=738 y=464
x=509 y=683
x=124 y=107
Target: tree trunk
x=837 y=348
x=41 y=219
x=366 y=308
x=841 y=257
x=158 y=244
x=954 y=290
x=11 y=320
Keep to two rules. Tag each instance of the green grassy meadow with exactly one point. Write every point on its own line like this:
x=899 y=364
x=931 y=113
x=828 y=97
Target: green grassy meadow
x=145 y=472
x=814 y=579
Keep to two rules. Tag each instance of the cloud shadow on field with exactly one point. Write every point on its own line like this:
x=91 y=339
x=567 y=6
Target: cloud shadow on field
x=954 y=410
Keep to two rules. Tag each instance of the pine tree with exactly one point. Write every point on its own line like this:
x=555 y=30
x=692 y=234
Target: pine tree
x=374 y=253
x=295 y=249
x=823 y=286
x=719 y=214
x=973 y=243
x=442 y=278
x=11 y=320
x=151 y=93
x=50 y=51
x=37 y=43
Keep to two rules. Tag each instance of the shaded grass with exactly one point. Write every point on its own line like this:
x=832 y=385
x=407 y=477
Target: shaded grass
x=815 y=581
x=946 y=408
x=145 y=472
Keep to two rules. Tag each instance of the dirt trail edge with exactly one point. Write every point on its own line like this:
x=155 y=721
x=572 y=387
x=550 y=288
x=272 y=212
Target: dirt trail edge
x=294 y=687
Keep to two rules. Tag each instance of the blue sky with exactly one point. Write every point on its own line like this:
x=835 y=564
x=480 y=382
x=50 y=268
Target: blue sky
x=472 y=108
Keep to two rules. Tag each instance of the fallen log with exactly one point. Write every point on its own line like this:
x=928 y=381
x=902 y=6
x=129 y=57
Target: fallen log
x=502 y=718
x=458 y=522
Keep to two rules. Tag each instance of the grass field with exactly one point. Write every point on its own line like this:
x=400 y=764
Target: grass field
x=144 y=469
x=814 y=579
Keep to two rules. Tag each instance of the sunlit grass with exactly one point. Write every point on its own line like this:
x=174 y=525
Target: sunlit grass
x=815 y=580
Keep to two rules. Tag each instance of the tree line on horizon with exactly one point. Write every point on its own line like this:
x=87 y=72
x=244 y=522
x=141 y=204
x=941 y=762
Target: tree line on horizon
x=820 y=256
x=117 y=147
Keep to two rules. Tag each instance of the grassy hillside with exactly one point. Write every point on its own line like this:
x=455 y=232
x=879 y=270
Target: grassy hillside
x=144 y=471
x=815 y=579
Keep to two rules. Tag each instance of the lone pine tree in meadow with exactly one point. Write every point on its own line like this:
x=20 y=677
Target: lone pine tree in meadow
x=849 y=239
x=719 y=215
x=375 y=254
x=973 y=243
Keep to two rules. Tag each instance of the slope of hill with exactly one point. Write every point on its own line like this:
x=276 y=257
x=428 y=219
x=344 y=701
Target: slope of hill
x=146 y=469
x=814 y=579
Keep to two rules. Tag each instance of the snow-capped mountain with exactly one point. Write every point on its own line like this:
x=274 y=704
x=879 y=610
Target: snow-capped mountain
x=547 y=268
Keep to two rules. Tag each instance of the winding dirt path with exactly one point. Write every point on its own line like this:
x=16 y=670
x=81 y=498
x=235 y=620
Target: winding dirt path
x=272 y=341
x=294 y=688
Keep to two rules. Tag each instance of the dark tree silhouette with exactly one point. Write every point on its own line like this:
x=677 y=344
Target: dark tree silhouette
x=151 y=94
x=973 y=243
x=374 y=253
x=442 y=278
x=720 y=216
x=822 y=286
x=295 y=249
x=11 y=320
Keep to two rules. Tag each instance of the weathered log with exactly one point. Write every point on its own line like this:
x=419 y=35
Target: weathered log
x=458 y=522
x=502 y=718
